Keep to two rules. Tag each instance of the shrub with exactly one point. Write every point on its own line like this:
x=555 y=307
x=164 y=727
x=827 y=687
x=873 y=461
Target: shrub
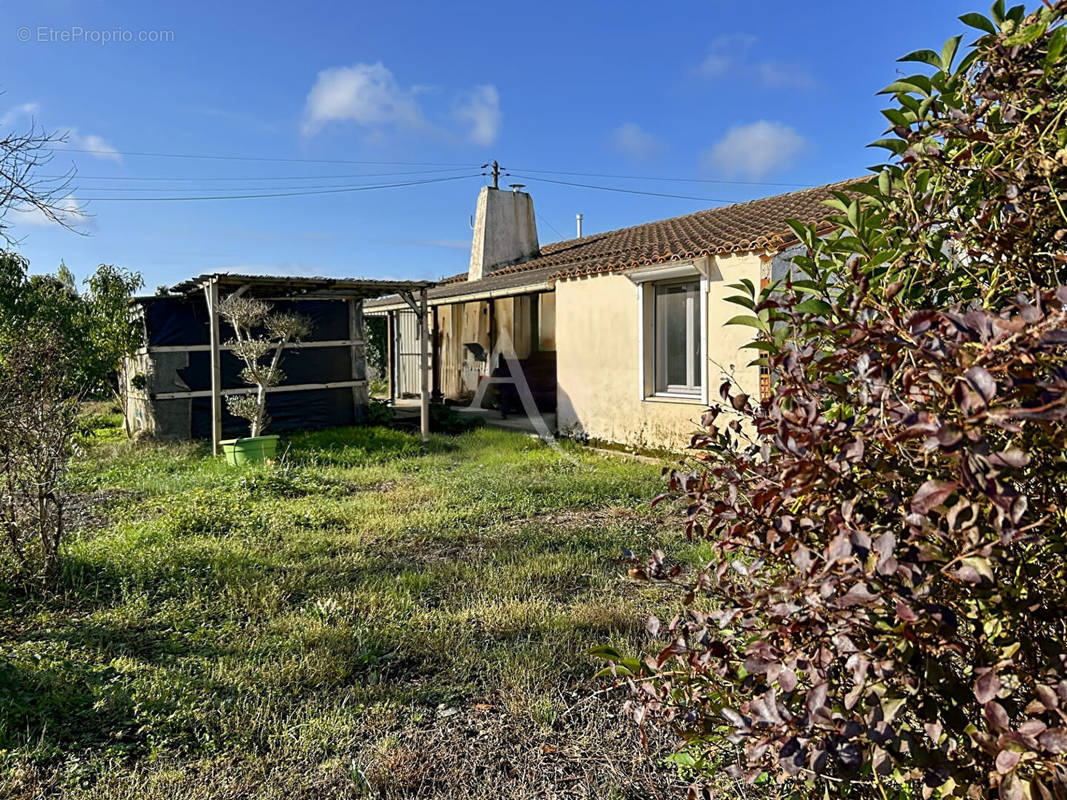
x=286 y=480
x=883 y=613
x=379 y=412
x=94 y=327
x=445 y=419
x=38 y=422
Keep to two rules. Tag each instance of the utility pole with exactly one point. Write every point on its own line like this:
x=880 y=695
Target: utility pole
x=496 y=175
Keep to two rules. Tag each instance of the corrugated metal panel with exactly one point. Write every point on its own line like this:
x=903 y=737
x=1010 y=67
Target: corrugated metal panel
x=408 y=381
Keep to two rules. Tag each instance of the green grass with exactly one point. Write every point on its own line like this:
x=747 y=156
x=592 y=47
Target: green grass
x=319 y=628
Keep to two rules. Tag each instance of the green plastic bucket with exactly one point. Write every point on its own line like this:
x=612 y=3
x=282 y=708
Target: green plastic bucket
x=250 y=450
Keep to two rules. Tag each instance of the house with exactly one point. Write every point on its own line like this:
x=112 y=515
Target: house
x=177 y=382
x=621 y=333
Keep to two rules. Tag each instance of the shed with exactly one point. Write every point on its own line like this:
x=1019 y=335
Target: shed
x=177 y=382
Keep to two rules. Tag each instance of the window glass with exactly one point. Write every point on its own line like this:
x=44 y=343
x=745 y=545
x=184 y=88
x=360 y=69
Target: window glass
x=678 y=350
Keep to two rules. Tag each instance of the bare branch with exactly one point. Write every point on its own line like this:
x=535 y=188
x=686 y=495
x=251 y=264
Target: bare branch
x=24 y=189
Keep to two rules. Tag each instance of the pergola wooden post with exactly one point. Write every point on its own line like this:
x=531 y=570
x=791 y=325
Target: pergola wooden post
x=390 y=346
x=424 y=365
x=211 y=289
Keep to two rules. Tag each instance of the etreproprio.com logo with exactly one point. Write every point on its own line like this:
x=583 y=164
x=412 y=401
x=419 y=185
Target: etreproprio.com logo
x=76 y=34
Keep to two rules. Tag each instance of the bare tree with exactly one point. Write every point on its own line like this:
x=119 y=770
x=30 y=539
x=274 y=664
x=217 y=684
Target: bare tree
x=37 y=424
x=23 y=187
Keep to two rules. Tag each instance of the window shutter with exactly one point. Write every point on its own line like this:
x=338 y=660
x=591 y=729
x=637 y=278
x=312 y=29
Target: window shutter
x=764 y=370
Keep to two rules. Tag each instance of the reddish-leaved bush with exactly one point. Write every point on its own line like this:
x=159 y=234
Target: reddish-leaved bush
x=885 y=613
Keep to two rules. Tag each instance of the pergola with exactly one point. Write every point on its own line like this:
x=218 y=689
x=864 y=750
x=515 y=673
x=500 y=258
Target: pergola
x=269 y=287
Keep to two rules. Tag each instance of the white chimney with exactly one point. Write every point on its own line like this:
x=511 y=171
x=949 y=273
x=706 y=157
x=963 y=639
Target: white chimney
x=579 y=217
x=505 y=231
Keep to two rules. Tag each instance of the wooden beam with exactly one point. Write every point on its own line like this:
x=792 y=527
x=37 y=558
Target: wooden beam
x=485 y=294
x=212 y=292
x=203 y=348
x=390 y=347
x=409 y=298
x=296 y=387
x=354 y=334
x=435 y=356
x=424 y=366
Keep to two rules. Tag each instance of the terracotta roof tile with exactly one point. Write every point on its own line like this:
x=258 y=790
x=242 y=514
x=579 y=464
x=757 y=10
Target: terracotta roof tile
x=753 y=225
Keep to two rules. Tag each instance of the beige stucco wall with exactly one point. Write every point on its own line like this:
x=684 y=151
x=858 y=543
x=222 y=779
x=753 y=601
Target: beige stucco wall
x=599 y=356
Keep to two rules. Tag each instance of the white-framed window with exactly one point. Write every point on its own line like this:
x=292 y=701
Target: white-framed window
x=677 y=352
x=672 y=314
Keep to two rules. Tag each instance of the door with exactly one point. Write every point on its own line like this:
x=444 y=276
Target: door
x=406 y=342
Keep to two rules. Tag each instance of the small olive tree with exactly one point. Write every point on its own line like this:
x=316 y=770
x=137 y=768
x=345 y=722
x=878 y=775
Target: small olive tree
x=261 y=337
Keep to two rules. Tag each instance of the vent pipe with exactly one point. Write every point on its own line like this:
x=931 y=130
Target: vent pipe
x=579 y=218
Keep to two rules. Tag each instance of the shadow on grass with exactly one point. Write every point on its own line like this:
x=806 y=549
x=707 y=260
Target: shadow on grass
x=61 y=704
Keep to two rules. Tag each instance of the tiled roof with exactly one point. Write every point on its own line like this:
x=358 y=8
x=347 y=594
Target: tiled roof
x=754 y=225
x=742 y=227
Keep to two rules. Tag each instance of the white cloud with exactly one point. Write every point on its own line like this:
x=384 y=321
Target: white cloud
x=785 y=76
x=730 y=55
x=725 y=53
x=755 y=150
x=97 y=146
x=10 y=116
x=479 y=109
x=370 y=96
x=637 y=144
x=69 y=210
x=367 y=94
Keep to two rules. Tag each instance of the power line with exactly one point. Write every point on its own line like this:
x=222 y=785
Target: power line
x=658 y=178
x=277 y=194
x=551 y=226
x=275 y=159
x=254 y=177
x=623 y=191
x=110 y=152
x=246 y=189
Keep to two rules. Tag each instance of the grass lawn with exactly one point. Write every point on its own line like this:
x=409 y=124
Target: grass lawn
x=378 y=618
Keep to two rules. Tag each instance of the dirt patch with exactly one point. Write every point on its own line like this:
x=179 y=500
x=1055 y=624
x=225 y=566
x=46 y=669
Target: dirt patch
x=380 y=486
x=85 y=512
x=612 y=515
x=589 y=751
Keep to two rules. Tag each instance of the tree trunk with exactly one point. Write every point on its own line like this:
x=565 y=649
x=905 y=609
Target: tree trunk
x=120 y=396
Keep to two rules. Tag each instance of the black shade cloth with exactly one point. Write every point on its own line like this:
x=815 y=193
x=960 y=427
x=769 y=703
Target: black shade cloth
x=289 y=411
x=172 y=321
x=175 y=321
x=300 y=365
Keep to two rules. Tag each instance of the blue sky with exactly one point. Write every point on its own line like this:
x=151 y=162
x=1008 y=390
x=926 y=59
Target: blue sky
x=763 y=94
